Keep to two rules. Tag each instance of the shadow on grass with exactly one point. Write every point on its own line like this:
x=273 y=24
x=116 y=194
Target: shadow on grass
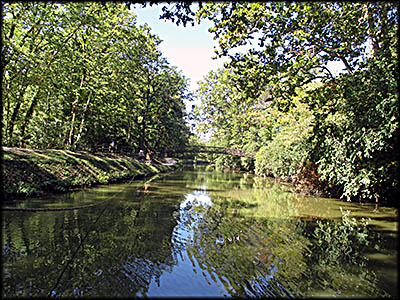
x=28 y=172
x=25 y=178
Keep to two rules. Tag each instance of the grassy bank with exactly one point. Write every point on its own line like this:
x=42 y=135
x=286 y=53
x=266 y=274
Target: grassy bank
x=27 y=172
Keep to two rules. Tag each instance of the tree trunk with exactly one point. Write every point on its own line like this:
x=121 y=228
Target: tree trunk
x=83 y=119
x=71 y=131
x=142 y=139
x=74 y=110
x=27 y=118
x=11 y=123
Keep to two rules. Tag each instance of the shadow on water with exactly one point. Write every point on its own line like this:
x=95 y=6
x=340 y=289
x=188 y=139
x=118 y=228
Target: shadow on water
x=200 y=233
x=128 y=245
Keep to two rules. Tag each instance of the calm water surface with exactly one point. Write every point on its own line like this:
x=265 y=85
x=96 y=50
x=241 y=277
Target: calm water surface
x=200 y=232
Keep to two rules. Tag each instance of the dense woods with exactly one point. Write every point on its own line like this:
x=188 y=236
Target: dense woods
x=333 y=133
x=299 y=189
x=80 y=75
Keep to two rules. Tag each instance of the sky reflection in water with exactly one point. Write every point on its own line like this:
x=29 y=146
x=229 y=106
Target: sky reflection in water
x=200 y=233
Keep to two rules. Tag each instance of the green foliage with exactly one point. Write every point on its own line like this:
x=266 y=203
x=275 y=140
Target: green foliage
x=31 y=172
x=103 y=178
x=277 y=160
x=291 y=43
x=228 y=161
x=233 y=121
x=342 y=240
x=352 y=149
x=81 y=75
x=355 y=142
x=285 y=154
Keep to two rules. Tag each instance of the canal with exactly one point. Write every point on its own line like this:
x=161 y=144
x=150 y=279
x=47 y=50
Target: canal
x=199 y=232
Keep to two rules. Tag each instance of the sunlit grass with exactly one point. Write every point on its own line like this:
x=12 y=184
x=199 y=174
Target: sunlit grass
x=29 y=172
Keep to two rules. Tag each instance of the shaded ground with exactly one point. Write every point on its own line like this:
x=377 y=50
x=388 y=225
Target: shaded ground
x=28 y=172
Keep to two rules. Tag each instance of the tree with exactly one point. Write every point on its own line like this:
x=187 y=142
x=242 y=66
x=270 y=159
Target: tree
x=355 y=127
x=225 y=112
x=81 y=75
x=295 y=40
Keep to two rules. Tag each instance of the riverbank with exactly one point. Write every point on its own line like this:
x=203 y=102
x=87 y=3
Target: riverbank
x=29 y=172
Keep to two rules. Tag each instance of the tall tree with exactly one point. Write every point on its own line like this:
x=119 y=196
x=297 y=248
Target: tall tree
x=80 y=75
x=355 y=113
x=295 y=40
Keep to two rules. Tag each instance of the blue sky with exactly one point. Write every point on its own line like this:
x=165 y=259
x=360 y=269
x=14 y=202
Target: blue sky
x=189 y=48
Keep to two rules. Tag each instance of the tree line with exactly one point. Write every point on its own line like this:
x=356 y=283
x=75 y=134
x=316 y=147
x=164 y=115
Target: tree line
x=80 y=75
x=334 y=134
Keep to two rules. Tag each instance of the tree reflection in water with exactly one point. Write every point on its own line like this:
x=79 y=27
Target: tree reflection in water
x=239 y=237
x=278 y=255
x=130 y=246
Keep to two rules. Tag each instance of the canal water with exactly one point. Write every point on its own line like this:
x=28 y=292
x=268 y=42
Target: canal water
x=199 y=232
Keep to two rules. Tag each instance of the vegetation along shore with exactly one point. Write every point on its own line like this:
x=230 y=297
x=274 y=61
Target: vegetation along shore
x=29 y=172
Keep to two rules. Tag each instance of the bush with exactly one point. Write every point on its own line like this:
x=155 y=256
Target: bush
x=284 y=155
x=355 y=140
x=228 y=161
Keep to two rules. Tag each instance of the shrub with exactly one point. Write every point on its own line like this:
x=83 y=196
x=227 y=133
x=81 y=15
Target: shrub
x=284 y=155
x=355 y=141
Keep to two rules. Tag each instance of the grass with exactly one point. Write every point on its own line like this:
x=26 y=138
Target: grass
x=29 y=172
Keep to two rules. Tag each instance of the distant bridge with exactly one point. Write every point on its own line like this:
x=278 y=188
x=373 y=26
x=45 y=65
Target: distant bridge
x=216 y=150
x=185 y=149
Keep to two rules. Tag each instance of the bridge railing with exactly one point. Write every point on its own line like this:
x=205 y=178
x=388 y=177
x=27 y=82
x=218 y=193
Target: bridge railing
x=186 y=149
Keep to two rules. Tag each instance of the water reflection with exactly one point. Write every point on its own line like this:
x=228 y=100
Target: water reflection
x=200 y=233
